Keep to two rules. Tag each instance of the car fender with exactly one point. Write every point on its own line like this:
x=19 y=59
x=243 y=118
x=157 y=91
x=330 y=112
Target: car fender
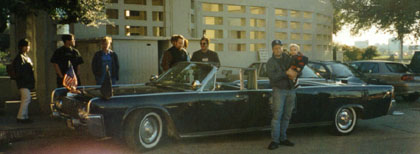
x=167 y=116
x=357 y=107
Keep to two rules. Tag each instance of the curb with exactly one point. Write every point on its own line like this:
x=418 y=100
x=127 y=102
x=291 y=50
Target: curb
x=7 y=136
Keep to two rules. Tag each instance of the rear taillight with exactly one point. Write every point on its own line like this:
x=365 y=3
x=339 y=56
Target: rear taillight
x=407 y=77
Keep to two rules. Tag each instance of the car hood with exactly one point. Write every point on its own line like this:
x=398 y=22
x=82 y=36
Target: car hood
x=129 y=89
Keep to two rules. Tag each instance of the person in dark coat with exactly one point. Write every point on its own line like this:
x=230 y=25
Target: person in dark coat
x=105 y=57
x=281 y=77
x=205 y=54
x=25 y=79
x=175 y=54
x=63 y=55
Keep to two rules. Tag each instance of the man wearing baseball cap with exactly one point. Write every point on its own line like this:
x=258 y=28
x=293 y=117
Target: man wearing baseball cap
x=281 y=78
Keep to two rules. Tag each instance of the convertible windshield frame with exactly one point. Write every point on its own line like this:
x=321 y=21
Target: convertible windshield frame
x=183 y=66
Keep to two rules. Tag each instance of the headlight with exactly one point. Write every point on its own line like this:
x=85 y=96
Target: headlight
x=82 y=113
x=58 y=104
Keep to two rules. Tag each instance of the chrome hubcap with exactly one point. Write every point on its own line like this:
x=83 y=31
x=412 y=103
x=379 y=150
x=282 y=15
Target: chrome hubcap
x=345 y=119
x=148 y=131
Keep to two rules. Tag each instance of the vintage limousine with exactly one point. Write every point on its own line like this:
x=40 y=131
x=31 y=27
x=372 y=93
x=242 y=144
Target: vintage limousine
x=197 y=99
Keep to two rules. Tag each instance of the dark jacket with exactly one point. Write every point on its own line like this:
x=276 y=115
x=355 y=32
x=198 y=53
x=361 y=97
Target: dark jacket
x=23 y=67
x=97 y=64
x=276 y=71
x=209 y=56
x=173 y=56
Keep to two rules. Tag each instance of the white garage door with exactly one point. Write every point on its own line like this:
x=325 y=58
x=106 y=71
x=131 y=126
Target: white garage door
x=138 y=60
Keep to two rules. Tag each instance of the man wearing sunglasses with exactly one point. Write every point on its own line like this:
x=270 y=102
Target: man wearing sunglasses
x=204 y=54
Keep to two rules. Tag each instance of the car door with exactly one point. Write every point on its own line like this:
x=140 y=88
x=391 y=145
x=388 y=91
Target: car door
x=371 y=72
x=223 y=110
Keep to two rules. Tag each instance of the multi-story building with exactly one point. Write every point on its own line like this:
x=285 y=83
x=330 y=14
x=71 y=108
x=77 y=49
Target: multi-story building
x=238 y=29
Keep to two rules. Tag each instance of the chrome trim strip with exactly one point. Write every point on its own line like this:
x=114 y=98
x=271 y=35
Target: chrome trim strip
x=235 y=131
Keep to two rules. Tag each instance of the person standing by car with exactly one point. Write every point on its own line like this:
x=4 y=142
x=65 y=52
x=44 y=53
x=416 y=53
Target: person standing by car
x=25 y=79
x=281 y=78
x=63 y=55
x=205 y=54
x=105 y=57
x=174 y=54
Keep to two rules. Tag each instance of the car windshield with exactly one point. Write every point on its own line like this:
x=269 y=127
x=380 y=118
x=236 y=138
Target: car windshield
x=308 y=73
x=340 y=70
x=396 y=68
x=185 y=75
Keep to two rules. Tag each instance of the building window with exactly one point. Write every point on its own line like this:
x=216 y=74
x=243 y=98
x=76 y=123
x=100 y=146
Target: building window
x=139 y=2
x=236 y=9
x=157 y=2
x=235 y=34
x=307 y=26
x=135 y=30
x=237 y=22
x=257 y=35
x=193 y=32
x=192 y=18
x=307 y=47
x=294 y=14
x=216 y=46
x=112 y=13
x=112 y=30
x=157 y=16
x=294 y=25
x=307 y=37
x=213 y=20
x=210 y=7
x=256 y=46
x=281 y=24
x=214 y=34
x=135 y=15
x=112 y=1
x=280 y=35
x=257 y=10
x=307 y=15
x=237 y=47
x=319 y=37
x=280 y=12
x=295 y=36
x=257 y=22
x=158 y=31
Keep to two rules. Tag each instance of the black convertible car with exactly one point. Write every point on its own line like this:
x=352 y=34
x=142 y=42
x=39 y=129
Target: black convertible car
x=189 y=101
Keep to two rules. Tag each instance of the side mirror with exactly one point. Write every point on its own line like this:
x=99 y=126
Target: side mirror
x=153 y=78
x=196 y=84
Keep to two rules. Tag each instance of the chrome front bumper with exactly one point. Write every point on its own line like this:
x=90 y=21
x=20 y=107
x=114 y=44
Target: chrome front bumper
x=93 y=122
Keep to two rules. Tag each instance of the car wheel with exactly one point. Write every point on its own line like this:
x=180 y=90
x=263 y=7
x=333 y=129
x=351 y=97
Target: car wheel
x=345 y=121
x=144 y=130
x=411 y=97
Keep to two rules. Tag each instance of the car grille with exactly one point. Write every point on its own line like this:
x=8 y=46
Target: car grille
x=71 y=107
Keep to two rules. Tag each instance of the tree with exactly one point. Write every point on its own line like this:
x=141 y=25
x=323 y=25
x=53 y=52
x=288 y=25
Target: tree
x=369 y=53
x=351 y=53
x=88 y=12
x=399 y=17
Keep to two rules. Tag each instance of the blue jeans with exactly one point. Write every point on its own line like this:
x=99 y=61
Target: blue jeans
x=282 y=107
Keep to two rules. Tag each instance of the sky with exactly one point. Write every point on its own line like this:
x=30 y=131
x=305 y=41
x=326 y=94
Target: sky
x=374 y=37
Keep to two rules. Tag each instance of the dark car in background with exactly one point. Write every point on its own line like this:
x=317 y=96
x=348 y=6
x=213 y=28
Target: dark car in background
x=406 y=83
x=189 y=100
x=337 y=71
x=307 y=75
x=415 y=62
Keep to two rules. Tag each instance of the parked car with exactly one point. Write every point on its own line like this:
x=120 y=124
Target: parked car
x=337 y=71
x=307 y=75
x=406 y=83
x=415 y=62
x=189 y=101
